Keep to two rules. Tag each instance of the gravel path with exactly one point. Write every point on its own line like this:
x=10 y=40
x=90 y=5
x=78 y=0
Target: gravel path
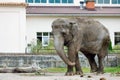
x=55 y=76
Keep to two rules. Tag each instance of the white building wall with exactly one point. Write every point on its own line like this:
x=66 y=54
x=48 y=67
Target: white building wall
x=43 y=24
x=12 y=28
x=12 y=0
x=112 y=24
x=37 y=24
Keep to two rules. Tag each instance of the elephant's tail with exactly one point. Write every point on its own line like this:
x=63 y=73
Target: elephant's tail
x=106 y=44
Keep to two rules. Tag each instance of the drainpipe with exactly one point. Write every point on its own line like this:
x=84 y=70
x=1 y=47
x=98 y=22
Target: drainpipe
x=90 y=4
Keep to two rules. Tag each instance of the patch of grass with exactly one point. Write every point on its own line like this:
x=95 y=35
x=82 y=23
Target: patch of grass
x=112 y=69
x=85 y=70
x=55 y=70
x=62 y=70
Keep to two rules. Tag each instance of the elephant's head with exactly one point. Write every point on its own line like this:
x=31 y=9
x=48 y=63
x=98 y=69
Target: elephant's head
x=61 y=30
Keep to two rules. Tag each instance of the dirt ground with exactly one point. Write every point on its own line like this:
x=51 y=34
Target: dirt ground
x=56 y=76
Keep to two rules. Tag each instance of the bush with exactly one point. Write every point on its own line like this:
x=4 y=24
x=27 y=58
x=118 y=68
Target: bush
x=116 y=49
x=37 y=48
x=110 y=46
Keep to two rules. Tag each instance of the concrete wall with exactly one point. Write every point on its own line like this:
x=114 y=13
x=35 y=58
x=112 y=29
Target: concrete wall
x=12 y=26
x=43 y=24
x=45 y=61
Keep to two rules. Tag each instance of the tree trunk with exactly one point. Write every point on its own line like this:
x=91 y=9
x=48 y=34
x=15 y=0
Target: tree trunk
x=18 y=70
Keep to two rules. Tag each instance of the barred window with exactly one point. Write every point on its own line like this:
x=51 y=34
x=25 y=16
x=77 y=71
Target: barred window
x=43 y=37
x=117 y=37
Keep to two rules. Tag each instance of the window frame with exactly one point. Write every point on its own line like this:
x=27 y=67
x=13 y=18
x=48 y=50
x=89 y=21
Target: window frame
x=45 y=37
x=103 y=2
x=117 y=2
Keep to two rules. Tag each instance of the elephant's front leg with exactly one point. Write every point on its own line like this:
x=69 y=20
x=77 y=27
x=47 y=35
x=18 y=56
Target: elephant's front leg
x=77 y=66
x=70 y=71
x=71 y=57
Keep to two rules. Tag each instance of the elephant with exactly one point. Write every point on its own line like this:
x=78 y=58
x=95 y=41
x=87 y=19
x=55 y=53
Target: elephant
x=82 y=34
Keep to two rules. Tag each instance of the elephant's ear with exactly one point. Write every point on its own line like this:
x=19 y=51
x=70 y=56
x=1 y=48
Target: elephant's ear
x=74 y=30
x=76 y=33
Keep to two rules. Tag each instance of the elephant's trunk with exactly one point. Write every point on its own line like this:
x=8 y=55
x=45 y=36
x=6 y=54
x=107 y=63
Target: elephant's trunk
x=59 y=46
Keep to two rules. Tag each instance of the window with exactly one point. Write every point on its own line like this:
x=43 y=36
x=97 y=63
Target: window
x=103 y=1
x=115 y=1
x=118 y=1
x=67 y=1
x=57 y=1
x=36 y=1
x=45 y=41
x=43 y=37
x=43 y=1
x=117 y=38
x=70 y=1
x=108 y=1
x=54 y=1
x=100 y=1
x=64 y=1
x=30 y=1
x=49 y=1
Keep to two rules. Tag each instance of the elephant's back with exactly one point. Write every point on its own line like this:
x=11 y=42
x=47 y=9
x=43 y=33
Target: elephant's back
x=92 y=29
x=94 y=35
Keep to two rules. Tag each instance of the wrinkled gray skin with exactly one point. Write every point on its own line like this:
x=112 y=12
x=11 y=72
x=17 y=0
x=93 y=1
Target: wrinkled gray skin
x=81 y=34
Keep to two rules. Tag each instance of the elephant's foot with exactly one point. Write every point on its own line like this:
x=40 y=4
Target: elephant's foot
x=79 y=73
x=93 y=70
x=70 y=73
x=100 y=72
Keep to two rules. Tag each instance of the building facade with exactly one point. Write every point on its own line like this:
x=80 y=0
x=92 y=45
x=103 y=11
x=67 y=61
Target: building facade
x=12 y=26
x=22 y=24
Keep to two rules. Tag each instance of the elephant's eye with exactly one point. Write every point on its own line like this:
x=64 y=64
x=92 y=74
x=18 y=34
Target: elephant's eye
x=64 y=34
x=56 y=27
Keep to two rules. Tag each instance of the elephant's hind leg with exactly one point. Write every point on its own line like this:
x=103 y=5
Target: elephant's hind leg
x=101 y=57
x=100 y=62
x=92 y=62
